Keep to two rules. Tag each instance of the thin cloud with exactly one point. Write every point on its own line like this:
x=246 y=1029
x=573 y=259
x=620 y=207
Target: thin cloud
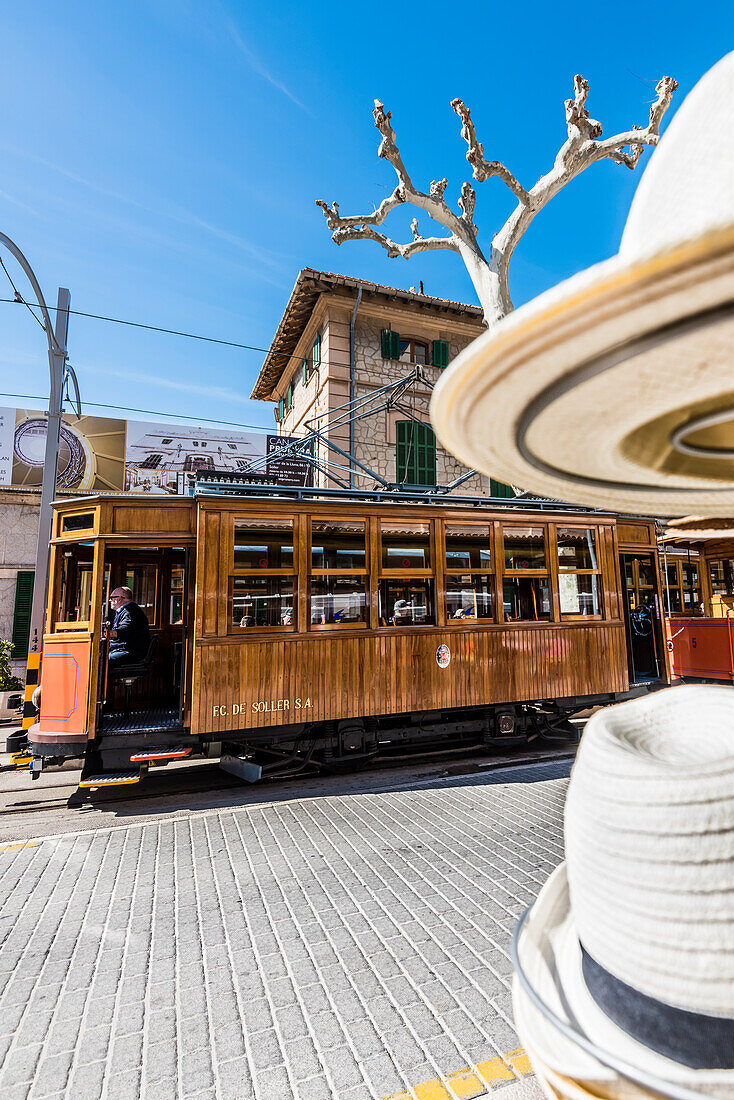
x=222 y=392
x=179 y=214
x=257 y=66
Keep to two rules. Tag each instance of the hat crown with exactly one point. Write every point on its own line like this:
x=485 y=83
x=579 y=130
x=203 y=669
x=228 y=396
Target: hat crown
x=649 y=829
x=687 y=188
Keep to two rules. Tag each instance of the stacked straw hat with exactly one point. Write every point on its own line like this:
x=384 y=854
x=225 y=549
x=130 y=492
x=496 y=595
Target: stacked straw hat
x=615 y=389
x=625 y=964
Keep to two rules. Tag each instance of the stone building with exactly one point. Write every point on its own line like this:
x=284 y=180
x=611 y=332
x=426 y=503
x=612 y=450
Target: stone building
x=343 y=340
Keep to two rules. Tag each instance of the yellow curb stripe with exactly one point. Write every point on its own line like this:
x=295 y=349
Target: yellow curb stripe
x=473 y=1081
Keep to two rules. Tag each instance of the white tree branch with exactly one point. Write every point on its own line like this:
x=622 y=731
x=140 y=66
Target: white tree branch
x=483 y=169
x=393 y=249
x=584 y=146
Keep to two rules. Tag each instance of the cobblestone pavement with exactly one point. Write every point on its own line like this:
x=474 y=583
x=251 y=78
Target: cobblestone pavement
x=341 y=946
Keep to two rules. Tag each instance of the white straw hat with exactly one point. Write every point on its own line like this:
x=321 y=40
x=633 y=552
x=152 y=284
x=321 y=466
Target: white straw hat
x=625 y=982
x=616 y=387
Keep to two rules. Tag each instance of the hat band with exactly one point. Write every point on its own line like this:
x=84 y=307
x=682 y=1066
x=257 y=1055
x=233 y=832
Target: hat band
x=690 y=1038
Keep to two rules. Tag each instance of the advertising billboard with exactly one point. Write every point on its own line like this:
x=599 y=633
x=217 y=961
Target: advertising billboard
x=102 y=454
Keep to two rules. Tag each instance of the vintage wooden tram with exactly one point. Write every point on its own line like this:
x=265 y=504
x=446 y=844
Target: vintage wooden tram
x=319 y=630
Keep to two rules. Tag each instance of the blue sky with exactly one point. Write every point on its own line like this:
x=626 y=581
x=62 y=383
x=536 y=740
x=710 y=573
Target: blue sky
x=161 y=159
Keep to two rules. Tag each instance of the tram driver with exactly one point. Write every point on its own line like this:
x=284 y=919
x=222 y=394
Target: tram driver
x=402 y=614
x=130 y=636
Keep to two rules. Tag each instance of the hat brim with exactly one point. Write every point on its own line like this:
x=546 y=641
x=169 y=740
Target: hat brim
x=585 y=393
x=550 y=956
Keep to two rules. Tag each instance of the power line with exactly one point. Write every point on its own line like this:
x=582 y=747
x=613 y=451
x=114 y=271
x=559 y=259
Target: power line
x=19 y=297
x=147 y=412
x=139 y=324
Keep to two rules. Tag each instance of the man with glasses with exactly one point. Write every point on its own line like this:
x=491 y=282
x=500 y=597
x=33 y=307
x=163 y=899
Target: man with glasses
x=129 y=636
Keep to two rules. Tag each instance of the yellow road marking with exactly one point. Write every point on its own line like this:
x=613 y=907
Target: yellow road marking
x=23 y=844
x=463 y=1084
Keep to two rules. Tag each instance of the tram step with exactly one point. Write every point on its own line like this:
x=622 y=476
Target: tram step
x=147 y=755
x=110 y=779
x=22 y=759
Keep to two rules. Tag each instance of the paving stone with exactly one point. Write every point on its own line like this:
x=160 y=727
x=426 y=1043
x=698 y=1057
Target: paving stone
x=316 y=948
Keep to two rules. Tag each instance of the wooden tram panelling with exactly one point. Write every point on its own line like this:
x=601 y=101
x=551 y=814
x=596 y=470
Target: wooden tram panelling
x=261 y=684
x=310 y=673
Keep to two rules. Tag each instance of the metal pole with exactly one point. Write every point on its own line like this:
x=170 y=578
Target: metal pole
x=57 y=362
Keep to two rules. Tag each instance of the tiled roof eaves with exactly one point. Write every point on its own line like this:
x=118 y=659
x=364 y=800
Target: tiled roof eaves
x=309 y=285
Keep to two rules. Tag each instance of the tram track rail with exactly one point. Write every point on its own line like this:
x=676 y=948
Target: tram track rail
x=210 y=779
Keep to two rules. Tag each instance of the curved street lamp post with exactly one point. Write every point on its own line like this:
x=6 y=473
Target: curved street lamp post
x=57 y=356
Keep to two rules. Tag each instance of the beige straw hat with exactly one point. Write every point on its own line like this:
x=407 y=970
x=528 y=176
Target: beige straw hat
x=624 y=981
x=616 y=388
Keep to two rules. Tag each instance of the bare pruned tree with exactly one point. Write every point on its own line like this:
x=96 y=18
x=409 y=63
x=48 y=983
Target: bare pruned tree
x=489 y=272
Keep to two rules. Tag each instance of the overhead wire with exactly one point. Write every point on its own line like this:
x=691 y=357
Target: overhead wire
x=19 y=297
x=139 y=324
x=146 y=412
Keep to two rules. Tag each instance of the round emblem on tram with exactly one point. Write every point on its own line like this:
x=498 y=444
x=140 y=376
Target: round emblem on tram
x=443 y=656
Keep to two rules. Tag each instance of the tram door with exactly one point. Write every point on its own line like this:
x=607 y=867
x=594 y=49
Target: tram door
x=642 y=618
x=158 y=578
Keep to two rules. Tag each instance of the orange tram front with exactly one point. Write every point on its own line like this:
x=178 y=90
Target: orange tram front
x=699 y=601
x=288 y=634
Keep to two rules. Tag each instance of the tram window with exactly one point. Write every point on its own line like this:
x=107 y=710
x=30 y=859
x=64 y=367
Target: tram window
x=338 y=544
x=176 y=601
x=468 y=546
x=672 y=589
x=263 y=602
x=469 y=596
x=406 y=545
x=691 y=589
x=83 y=521
x=524 y=548
x=647 y=574
x=406 y=602
x=263 y=544
x=580 y=594
x=142 y=580
x=338 y=601
x=722 y=575
x=577 y=548
x=526 y=599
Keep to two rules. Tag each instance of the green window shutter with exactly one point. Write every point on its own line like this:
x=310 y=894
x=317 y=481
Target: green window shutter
x=499 y=489
x=415 y=454
x=316 y=353
x=305 y=372
x=281 y=408
x=289 y=405
x=22 y=614
x=390 y=344
x=440 y=353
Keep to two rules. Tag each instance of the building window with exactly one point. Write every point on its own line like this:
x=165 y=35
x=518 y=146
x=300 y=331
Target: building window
x=316 y=353
x=167 y=440
x=526 y=586
x=413 y=351
x=150 y=462
x=579 y=574
x=232 y=446
x=263 y=589
x=415 y=460
x=22 y=614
